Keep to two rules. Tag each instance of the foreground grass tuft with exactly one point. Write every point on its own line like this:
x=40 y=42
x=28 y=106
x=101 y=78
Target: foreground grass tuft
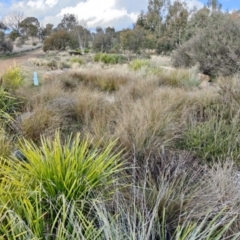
x=57 y=177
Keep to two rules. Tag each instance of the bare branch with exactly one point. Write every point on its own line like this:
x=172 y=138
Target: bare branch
x=13 y=20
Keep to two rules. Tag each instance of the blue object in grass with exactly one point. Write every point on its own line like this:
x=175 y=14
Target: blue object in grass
x=35 y=79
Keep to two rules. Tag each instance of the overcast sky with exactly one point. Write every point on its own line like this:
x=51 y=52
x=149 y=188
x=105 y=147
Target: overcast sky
x=118 y=13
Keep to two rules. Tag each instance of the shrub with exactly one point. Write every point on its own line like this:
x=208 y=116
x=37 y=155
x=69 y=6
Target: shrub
x=97 y=57
x=138 y=64
x=109 y=58
x=13 y=78
x=6 y=46
x=215 y=48
x=57 y=41
x=77 y=60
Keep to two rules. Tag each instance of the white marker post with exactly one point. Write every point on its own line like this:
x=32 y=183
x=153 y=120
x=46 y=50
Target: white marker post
x=35 y=79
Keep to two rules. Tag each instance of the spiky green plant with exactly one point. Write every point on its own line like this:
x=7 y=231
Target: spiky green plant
x=31 y=192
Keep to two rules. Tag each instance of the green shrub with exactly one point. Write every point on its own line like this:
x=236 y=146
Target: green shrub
x=57 y=41
x=77 y=60
x=86 y=50
x=13 y=78
x=97 y=57
x=109 y=58
x=215 y=48
x=138 y=64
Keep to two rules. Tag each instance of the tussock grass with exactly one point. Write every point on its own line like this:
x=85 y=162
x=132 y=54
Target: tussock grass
x=151 y=122
x=105 y=81
x=179 y=78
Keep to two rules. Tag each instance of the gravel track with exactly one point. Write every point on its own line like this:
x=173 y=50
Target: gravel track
x=19 y=59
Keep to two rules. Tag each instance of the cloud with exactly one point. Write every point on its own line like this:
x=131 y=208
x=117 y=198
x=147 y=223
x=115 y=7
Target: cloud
x=193 y=3
x=41 y=4
x=103 y=14
x=51 y=3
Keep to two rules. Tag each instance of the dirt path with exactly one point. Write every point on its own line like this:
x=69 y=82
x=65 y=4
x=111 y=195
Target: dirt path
x=19 y=60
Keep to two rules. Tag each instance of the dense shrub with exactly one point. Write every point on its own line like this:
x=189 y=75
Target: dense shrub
x=6 y=46
x=138 y=64
x=57 y=41
x=77 y=60
x=109 y=58
x=215 y=48
x=13 y=78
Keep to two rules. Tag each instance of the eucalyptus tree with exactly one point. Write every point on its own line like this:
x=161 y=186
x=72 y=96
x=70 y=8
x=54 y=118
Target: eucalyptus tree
x=68 y=22
x=30 y=27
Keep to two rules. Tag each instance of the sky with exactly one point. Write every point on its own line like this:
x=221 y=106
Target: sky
x=114 y=13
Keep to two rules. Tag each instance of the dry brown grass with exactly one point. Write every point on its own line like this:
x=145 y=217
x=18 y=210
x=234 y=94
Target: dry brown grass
x=152 y=121
x=103 y=80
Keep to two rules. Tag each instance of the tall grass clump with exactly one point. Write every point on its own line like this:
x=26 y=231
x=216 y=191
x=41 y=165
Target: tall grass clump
x=58 y=177
x=8 y=107
x=186 y=78
x=165 y=210
x=104 y=81
x=13 y=78
x=151 y=122
x=213 y=134
x=215 y=139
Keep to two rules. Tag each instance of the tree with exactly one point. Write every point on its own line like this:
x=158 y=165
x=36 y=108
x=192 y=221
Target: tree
x=57 y=41
x=174 y=27
x=132 y=39
x=99 y=40
x=110 y=38
x=2 y=26
x=82 y=35
x=5 y=46
x=13 y=20
x=47 y=30
x=68 y=22
x=214 y=5
x=13 y=35
x=198 y=20
x=215 y=48
x=30 y=26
